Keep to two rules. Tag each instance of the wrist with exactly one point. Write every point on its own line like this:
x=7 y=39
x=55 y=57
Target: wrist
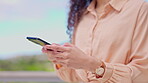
x=94 y=64
x=99 y=72
x=98 y=68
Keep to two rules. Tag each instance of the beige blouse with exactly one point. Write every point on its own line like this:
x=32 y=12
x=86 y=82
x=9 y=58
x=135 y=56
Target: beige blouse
x=119 y=37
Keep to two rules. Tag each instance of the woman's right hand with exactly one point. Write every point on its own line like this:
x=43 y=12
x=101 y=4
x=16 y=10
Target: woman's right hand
x=51 y=53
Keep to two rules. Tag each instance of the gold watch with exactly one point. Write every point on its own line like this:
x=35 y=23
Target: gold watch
x=100 y=71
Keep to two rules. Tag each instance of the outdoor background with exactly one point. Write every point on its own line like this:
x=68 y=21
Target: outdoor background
x=38 y=18
x=46 y=19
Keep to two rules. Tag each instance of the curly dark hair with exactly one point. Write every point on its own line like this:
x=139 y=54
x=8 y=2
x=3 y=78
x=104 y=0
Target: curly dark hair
x=77 y=8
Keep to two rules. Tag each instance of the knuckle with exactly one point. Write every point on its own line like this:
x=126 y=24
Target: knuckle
x=57 y=48
x=52 y=56
x=69 y=49
x=66 y=57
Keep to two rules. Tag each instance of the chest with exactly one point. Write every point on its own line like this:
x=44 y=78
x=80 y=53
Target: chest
x=106 y=35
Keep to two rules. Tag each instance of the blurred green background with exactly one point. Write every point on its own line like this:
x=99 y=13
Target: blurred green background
x=26 y=63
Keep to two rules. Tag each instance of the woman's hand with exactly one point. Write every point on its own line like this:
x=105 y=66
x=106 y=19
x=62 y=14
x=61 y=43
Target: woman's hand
x=70 y=56
x=50 y=53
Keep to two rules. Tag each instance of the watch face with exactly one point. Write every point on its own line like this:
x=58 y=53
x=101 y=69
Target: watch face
x=99 y=71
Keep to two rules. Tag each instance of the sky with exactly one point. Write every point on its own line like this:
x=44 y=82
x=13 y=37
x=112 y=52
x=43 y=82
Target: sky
x=36 y=18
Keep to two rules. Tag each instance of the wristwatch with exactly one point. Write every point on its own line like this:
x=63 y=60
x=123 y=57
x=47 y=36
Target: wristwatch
x=99 y=72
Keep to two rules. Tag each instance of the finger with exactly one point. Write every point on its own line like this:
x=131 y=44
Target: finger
x=53 y=54
x=55 y=62
x=59 y=62
x=47 y=49
x=55 y=44
x=59 y=48
x=49 y=54
x=43 y=50
x=67 y=45
x=55 y=58
x=51 y=59
x=63 y=55
x=56 y=48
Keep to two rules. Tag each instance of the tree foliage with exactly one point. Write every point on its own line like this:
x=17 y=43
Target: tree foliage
x=26 y=63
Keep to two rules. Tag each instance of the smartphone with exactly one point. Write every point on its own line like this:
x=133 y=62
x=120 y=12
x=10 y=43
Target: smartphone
x=42 y=42
x=38 y=41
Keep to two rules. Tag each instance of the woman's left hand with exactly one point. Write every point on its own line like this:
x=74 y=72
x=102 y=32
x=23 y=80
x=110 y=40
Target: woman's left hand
x=73 y=57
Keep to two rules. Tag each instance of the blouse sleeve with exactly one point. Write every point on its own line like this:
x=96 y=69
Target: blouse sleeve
x=67 y=74
x=137 y=70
